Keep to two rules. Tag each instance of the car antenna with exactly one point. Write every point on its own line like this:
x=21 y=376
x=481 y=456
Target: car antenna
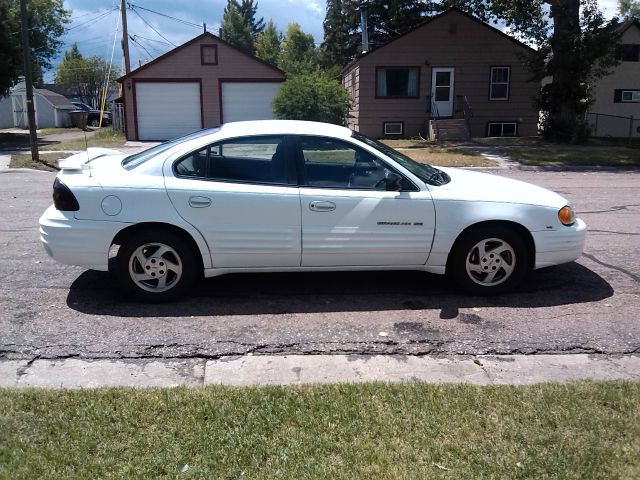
x=86 y=149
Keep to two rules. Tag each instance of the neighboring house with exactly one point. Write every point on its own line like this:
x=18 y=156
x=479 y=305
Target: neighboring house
x=199 y=84
x=52 y=110
x=451 y=76
x=617 y=96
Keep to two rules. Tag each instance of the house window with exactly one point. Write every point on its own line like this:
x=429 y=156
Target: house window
x=209 y=54
x=502 y=129
x=626 y=96
x=628 y=52
x=393 y=128
x=397 y=82
x=499 y=88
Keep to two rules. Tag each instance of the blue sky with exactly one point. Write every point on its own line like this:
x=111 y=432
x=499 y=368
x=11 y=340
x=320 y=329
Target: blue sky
x=94 y=24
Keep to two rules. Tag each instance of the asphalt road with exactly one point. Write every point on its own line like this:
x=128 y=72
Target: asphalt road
x=49 y=310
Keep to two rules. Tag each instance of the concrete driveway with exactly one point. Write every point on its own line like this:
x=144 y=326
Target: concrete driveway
x=53 y=311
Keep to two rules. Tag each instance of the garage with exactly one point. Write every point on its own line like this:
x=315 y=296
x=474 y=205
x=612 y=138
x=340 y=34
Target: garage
x=247 y=100
x=166 y=110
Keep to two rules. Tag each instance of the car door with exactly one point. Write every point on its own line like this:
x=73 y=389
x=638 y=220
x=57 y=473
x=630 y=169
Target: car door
x=238 y=193
x=348 y=216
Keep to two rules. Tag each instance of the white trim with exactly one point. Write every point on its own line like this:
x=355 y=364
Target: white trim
x=393 y=124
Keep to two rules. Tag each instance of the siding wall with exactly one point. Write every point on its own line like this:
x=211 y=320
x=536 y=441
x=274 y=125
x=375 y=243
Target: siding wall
x=472 y=50
x=185 y=64
x=625 y=76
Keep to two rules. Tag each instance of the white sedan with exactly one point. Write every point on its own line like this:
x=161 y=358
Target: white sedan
x=291 y=196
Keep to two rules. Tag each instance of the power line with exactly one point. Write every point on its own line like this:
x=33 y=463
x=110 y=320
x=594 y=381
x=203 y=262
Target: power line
x=151 y=39
x=152 y=28
x=186 y=22
x=91 y=21
x=142 y=46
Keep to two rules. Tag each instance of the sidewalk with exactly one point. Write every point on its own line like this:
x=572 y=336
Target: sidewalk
x=302 y=369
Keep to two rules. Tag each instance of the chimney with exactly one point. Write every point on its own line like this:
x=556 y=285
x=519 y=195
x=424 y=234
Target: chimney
x=363 y=26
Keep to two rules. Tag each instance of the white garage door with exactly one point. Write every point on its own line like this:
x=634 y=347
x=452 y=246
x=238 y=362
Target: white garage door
x=167 y=110
x=248 y=101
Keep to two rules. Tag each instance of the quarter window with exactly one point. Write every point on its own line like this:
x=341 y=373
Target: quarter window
x=263 y=159
x=397 y=82
x=499 y=87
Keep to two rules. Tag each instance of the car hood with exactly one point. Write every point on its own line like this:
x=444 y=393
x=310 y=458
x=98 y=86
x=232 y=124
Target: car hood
x=468 y=185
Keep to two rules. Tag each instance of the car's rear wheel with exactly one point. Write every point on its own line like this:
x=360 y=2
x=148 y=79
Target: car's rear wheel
x=489 y=260
x=156 y=266
x=94 y=123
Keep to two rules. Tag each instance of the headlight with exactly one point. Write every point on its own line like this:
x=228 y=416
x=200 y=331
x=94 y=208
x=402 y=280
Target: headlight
x=566 y=215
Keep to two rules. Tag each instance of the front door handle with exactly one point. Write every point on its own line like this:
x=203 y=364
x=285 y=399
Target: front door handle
x=199 y=202
x=321 y=206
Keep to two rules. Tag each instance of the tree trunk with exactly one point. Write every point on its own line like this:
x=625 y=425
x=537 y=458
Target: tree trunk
x=565 y=44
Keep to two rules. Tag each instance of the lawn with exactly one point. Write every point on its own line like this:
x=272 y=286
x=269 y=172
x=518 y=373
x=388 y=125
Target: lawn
x=448 y=157
x=361 y=431
x=47 y=161
x=577 y=156
x=104 y=137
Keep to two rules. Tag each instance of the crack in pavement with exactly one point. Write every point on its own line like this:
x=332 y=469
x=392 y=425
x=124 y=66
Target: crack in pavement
x=593 y=258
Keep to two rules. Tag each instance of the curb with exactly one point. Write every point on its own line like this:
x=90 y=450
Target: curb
x=309 y=369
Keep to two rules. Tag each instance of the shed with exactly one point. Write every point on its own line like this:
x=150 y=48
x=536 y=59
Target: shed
x=199 y=84
x=52 y=109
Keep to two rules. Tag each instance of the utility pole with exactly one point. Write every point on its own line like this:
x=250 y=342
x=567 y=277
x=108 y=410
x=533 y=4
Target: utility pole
x=125 y=36
x=31 y=113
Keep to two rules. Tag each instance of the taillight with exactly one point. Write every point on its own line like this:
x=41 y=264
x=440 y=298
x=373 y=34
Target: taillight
x=63 y=199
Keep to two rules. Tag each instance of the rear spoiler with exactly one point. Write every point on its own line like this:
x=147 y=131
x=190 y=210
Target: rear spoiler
x=80 y=161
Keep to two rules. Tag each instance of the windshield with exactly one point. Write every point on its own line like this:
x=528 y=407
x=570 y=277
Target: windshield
x=132 y=161
x=423 y=171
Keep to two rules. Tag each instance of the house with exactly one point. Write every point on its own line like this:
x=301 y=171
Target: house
x=451 y=76
x=616 y=109
x=52 y=109
x=199 y=84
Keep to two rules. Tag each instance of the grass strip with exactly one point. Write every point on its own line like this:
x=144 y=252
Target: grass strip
x=577 y=156
x=47 y=161
x=368 y=431
x=104 y=137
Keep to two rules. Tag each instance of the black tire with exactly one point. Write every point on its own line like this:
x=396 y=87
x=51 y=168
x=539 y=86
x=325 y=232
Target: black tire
x=164 y=262
x=502 y=267
x=94 y=123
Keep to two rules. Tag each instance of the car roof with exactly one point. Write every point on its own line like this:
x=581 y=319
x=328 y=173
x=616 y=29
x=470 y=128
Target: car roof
x=290 y=127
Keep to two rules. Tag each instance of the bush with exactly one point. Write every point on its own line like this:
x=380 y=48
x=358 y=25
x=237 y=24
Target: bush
x=313 y=97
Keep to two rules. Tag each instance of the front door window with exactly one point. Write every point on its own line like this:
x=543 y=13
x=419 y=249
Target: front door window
x=442 y=81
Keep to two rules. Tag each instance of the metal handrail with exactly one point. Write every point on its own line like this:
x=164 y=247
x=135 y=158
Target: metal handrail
x=434 y=109
x=467 y=112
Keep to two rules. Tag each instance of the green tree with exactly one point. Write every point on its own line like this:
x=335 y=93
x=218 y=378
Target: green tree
x=234 y=29
x=268 y=44
x=248 y=10
x=297 y=51
x=86 y=75
x=47 y=19
x=629 y=9
x=341 y=36
x=313 y=97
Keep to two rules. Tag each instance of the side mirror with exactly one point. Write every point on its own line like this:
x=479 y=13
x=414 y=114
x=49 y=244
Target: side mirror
x=392 y=182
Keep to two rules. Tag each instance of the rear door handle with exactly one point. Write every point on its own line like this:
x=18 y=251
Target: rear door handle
x=199 y=202
x=321 y=206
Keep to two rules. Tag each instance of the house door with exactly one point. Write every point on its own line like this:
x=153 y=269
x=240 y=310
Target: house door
x=20 y=119
x=442 y=91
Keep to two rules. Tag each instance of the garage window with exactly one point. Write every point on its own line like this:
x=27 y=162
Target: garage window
x=263 y=159
x=209 y=54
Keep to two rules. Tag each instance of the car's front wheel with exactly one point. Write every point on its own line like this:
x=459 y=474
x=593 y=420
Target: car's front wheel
x=156 y=266
x=489 y=260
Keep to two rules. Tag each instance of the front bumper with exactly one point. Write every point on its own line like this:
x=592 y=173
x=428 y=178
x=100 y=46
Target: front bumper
x=564 y=245
x=84 y=243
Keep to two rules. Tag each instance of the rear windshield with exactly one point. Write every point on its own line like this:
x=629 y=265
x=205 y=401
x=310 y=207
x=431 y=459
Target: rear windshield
x=132 y=161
